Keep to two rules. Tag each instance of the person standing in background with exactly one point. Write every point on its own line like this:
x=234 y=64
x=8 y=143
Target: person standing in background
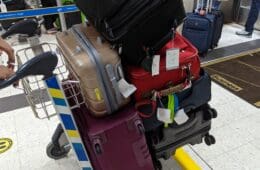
x=7 y=71
x=50 y=19
x=251 y=19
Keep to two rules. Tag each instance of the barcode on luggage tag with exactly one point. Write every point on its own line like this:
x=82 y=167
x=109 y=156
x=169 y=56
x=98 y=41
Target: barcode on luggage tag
x=172 y=58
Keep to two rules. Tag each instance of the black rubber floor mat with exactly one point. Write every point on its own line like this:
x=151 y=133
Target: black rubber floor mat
x=240 y=75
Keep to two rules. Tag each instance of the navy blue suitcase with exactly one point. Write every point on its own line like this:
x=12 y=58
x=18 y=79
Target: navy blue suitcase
x=219 y=22
x=199 y=30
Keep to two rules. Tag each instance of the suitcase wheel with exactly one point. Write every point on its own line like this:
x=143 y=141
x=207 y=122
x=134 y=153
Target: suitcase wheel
x=210 y=113
x=209 y=140
x=56 y=152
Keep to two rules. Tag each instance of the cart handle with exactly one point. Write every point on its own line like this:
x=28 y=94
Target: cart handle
x=27 y=27
x=43 y=64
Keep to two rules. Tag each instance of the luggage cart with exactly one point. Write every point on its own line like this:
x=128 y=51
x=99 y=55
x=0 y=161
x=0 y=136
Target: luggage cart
x=46 y=98
x=48 y=78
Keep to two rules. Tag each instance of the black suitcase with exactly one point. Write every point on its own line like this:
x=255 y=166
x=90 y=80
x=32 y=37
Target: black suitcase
x=219 y=22
x=13 y=5
x=164 y=142
x=134 y=25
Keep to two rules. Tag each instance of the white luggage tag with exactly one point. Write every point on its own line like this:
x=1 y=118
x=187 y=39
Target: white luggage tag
x=164 y=115
x=125 y=88
x=181 y=117
x=3 y=7
x=156 y=65
x=172 y=58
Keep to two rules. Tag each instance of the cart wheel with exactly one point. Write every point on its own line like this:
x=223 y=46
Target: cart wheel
x=55 y=152
x=210 y=140
x=158 y=165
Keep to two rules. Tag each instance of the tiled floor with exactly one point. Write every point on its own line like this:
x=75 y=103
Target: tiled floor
x=236 y=131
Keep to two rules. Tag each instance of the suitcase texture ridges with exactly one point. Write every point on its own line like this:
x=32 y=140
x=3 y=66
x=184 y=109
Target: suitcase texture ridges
x=81 y=60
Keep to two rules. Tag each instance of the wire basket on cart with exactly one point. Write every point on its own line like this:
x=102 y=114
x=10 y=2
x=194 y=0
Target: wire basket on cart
x=35 y=89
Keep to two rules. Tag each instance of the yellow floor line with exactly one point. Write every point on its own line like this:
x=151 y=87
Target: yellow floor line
x=219 y=60
x=185 y=161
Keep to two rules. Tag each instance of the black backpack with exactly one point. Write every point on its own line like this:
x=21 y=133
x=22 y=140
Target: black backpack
x=135 y=27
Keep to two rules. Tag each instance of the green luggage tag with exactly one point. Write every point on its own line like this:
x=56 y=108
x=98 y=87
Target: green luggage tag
x=171 y=107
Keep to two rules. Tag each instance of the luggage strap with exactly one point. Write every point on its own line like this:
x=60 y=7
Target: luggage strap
x=154 y=95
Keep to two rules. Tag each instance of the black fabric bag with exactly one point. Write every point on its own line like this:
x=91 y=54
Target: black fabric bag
x=135 y=26
x=13 y=5
x=163 y=142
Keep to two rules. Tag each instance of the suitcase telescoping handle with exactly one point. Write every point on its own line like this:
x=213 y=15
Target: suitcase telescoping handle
x=209 y=5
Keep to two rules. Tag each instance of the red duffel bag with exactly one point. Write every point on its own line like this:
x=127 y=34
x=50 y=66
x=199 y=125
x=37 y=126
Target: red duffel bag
x=189 y=67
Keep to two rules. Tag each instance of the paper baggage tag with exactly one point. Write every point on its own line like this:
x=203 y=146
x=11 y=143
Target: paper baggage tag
x=164 y=115
x=181 y=117
x=172 y=58
x=125 y=88
x=3 y=7
x=156 y=65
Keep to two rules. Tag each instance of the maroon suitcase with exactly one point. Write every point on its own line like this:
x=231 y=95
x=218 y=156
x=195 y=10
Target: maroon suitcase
x=116 y=142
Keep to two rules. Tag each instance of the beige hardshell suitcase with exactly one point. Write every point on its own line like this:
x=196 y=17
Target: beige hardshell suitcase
x=96 y=65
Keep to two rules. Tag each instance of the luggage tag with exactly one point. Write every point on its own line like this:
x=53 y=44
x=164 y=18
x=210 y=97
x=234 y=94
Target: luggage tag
x=167 y=115
x=164 y=115
x=181 y=117
x=156 y=65
x=3 y=7
x=172 y=58
x=125 y=88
